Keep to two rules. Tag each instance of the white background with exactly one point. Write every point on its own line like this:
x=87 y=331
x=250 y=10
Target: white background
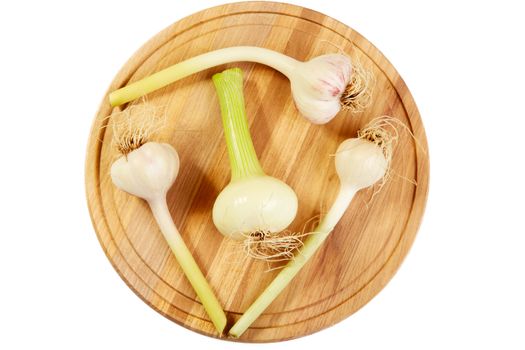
x=461 y=286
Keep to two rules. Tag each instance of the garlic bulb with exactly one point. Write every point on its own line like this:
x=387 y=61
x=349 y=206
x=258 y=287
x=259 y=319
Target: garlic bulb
x=147 y=172
x=320 y=87
x=360 y=163
x=317 y=86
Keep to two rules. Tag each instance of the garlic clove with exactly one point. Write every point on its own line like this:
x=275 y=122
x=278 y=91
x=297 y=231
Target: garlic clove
x=318 y=84
x=147 y=172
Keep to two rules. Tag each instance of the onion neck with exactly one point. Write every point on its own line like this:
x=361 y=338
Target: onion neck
x=243 y=159
x=276 y=60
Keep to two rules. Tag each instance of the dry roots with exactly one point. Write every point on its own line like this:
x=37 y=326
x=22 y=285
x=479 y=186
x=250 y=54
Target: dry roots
x=136 y=125
x=273 y=247
x=358 y=93
x=277 y=247
x=383 y=131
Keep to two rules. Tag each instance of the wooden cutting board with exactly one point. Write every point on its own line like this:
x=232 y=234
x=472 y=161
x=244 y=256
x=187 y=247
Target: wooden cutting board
x=367 y=246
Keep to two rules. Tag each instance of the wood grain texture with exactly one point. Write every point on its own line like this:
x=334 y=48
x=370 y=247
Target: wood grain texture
x=362 y=253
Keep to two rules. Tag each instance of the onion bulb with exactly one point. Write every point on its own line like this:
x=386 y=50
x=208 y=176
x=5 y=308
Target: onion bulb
x=253 y=205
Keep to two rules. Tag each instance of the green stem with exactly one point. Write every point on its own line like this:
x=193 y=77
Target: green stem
x=187 y=263
x=285 y=276
x=276 y=60
x=243 y=159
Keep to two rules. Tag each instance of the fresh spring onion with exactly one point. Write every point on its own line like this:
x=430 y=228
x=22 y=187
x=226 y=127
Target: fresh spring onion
x=253 y=205
x=360 y=163
x=147 y=170
x=320 y=86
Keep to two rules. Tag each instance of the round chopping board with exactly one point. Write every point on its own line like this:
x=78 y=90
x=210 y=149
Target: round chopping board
x=366 y=247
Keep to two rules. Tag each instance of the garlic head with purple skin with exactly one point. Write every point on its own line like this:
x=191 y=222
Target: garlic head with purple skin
x=318 y=84
x=321 y=86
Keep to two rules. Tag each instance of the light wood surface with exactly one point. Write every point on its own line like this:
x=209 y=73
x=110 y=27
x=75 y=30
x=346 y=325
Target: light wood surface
x=359 y=257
